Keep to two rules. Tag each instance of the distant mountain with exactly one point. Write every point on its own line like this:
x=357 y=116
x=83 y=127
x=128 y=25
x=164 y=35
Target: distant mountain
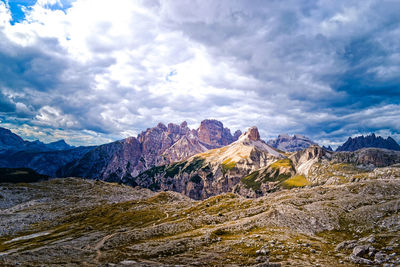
x=9 y=140
x=12 y=142
x=353 y=144
x=43 y=162
x=329 y=148
x=154 y=147
x=43 y=158
x=289 y=143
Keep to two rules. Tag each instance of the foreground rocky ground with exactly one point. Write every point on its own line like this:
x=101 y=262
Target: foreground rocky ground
x=75 y=222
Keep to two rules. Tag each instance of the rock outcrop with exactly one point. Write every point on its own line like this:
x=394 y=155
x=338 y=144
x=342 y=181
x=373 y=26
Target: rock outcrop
x=305 y=159
x=289 y=143
x=353 y=144
x=368 y=157
x=213 y=134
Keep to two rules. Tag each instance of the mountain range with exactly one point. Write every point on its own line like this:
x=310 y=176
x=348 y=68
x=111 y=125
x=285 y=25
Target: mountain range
x=353 y=144
x=156 y=146
x=12 y=142
x=198 y=162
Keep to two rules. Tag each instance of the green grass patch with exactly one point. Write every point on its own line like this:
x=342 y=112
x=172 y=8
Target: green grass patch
x=195 y=165
x=283 y=163
x=250 y=182
x=174 y=169
x=296 y=181
x=228 y=165
x=153 y=171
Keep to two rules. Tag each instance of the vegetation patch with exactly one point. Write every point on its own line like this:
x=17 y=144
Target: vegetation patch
x=154 y=186
x=153 y=171
x=195 y=165
x=283 y=163
x=174 y=169
x=250 y=181
x=296 y=181
x=228 y=165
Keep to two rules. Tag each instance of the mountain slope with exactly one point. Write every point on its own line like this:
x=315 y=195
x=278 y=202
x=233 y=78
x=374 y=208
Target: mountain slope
x=213 y=172
x=47 y=162
x=9 y=140
x=289 y=143
x=353 y=144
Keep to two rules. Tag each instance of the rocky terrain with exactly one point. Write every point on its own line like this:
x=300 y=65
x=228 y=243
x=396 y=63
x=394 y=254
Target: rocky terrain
x=353 y=144
x=288 y=143
x=156 y=146
x=76 y=222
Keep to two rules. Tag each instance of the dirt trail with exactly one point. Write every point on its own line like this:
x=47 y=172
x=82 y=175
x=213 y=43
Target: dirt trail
x=100 y=244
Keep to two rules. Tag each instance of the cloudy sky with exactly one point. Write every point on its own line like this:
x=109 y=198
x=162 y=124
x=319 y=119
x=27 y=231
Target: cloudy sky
x=94 y=71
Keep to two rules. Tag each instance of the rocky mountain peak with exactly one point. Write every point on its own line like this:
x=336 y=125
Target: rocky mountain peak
x=253 y=134
x=213 y=133
x=8 y=138
x=162 y=126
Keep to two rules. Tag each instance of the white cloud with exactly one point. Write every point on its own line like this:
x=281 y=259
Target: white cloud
x=52 y=116
x=116 y=68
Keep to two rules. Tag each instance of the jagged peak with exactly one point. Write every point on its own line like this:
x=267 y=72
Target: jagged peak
x=162 y=126
x=251 y=134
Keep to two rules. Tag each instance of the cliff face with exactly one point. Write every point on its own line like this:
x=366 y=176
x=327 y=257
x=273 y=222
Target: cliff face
x=156 y=146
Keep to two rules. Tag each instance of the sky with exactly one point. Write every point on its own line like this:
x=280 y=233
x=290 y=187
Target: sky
x=95 y=71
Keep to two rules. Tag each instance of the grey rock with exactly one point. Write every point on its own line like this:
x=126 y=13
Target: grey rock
x=359 y=260
x=380 y=257
x=360 y=251
x=348 y=244
x=263 y=251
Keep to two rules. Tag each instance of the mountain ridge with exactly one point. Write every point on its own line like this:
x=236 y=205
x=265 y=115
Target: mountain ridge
x=371 y=140
x=156 y=146
x=289 y=143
